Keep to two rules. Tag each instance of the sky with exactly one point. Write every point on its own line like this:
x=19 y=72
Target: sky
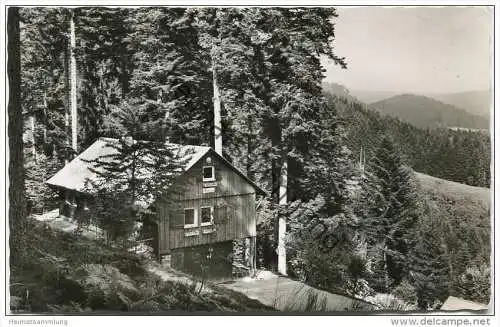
x=420 y=50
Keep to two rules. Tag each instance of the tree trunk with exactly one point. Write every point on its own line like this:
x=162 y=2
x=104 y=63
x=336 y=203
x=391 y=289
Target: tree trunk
x=282 y=217
x=74 y=113
x=17 y=199
x=67 y=100
x=217 y=118
x=275 y=135
x=217 y=110
x=33 y=139
x=249 y=158
x=124 y=76
x=386 y=270
x=45 y=119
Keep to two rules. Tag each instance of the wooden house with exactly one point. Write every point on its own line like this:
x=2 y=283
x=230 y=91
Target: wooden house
x=212 y=209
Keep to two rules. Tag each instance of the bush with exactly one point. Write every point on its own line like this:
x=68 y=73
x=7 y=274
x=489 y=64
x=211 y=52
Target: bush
x=105 y=286
x=475 y=284
x=406 y=292
x=114 y=214
x=390 y=302
x=359 y=288
x=322 y=248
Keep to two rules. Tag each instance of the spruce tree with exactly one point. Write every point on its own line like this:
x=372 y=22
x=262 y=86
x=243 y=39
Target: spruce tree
x=268 y=61
x=44 y=39
x=137 y=170
x=171 y=73
x=429 y=267
x=105 y=64
x=392 y=209
x=324 y=242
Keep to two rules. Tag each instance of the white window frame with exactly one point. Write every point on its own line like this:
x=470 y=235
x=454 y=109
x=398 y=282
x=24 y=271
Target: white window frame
x=211 y=222
x=211 y=179
x=195 y=220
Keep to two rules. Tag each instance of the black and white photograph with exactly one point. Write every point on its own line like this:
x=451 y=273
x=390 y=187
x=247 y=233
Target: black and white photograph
x=249 y=160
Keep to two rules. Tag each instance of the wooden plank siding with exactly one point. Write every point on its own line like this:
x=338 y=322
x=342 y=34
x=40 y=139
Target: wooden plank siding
x=234 y=214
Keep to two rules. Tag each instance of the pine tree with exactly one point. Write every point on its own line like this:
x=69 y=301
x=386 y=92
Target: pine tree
x=171 y=74
x=325 y=246
x=392 y=208
x=270 y=76
x=137 y=169
x=105 y=64
x=44 y=38
x=429 y=266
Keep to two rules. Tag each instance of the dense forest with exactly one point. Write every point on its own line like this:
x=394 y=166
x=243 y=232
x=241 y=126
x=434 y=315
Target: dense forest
x=457 y=155
x=152 y=74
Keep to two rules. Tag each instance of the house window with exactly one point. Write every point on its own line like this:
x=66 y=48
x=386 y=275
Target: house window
x=190 y=218
x=208 y=173
x=207 y=214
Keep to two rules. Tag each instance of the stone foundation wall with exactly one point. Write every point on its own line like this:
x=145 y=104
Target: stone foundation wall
x=242 y=257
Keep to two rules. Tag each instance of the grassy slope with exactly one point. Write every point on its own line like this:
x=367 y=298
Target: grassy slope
x=459 y=206
x=463 y=216
x=469 y=198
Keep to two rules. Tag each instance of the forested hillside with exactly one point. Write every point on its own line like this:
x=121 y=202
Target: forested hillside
x=474 y=102
x=423 y=111
x=460 y=156
x=463 y=217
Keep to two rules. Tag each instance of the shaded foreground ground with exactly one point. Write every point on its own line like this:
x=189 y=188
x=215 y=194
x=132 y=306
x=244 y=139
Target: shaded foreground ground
x=68 y=272
x=266 y=291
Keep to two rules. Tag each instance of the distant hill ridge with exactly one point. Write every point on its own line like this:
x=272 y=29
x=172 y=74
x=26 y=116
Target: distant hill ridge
x=469 y=109
x=424 y=112
x=459 y=154
x=474 y=102
x=477 y=102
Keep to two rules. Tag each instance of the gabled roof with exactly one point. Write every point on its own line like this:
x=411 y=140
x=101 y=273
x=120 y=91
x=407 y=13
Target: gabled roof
x=81 y=173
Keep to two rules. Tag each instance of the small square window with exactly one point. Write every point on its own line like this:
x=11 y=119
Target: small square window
x=206 y=216
x=189 y=217
x=208 y=173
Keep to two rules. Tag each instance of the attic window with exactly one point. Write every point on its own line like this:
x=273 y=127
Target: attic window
x=208 y=173
x=190 y=218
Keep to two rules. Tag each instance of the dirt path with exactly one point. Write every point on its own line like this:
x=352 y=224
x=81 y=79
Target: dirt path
x=285 y=294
